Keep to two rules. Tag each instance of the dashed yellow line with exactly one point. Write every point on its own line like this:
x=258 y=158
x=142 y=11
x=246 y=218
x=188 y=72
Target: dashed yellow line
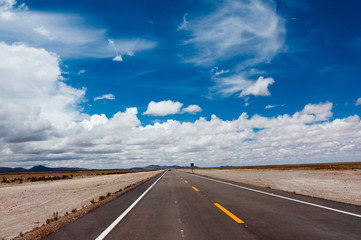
x=231 y=215
x=195 y=189
x=228 y=213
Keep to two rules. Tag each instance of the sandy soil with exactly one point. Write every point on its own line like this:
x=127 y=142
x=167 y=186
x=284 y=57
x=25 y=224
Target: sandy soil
x=28 y=205
x=339 y=185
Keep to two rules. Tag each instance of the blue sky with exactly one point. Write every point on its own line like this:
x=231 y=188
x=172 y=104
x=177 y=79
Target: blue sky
x=215 y=82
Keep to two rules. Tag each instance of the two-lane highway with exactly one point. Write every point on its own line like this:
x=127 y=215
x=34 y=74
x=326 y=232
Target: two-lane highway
x=185 y=206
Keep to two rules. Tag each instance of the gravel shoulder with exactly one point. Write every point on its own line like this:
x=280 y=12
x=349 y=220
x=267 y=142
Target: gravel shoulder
x=337 y=185
x=28 y=205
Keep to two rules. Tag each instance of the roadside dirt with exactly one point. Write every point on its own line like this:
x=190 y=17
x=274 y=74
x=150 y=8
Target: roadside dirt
x=28 y=205
x=337 y=185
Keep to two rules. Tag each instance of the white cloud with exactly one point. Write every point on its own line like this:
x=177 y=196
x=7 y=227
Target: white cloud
x=66 y=34
x=184 y=23
x=259 y=88
x=236 y=28
x=82 y=71
x=108 y=96
x=33 y=99
x=118 y=58
x=248 y=32
x=321 y=112
x=358 y=102
x=5 y=7
x=168 y=107
x=130 y=46
x=163 y=108
x=44 y=32
x=41 y=125
x=273 y=106
x=192 y=109
x=94 y=120
x=217 y=72
x=226 y=86
x=221 y=72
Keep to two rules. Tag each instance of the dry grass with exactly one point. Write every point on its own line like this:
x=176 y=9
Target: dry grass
x=315 y=166
x=29 y=205
x=21 y=177
x=61 y=221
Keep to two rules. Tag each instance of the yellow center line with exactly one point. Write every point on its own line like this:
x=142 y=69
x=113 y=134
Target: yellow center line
x=229 y=213
x=195 y=189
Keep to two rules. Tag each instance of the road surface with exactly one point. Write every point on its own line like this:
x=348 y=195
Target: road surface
x=185 y=206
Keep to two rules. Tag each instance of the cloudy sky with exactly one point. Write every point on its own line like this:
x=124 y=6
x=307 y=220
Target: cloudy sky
x=113 y=84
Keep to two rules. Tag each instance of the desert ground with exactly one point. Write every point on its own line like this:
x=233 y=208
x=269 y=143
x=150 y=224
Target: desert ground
x=28 y=205
x=337 y=184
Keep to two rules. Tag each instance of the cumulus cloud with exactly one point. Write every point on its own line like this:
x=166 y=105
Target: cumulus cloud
x=321 y=112
x=358 y=102
x=298 y=137
x=94 y=121
x=5 y=7
x=29 y=134
x=259 y=88
x=41 y=123
x=33 y=99
x=192 y=109
x=66 y=34
x=163 y=108
x=108 y=96
x=169 y=107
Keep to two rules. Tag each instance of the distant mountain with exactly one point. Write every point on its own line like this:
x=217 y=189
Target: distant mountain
x=41 y=168
x=6 y=169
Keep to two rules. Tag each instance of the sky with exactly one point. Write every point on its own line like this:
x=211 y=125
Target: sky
x=119 y=84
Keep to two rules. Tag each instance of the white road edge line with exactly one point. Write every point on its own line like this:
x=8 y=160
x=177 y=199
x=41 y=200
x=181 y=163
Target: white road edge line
x=111 y=226
x=279 y=196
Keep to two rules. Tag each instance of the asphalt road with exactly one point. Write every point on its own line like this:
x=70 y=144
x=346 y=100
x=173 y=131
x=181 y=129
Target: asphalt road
x=185 y=206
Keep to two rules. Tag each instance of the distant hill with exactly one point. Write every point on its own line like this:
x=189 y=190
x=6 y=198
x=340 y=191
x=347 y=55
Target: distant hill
x=41 y=168
x=6 y=169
